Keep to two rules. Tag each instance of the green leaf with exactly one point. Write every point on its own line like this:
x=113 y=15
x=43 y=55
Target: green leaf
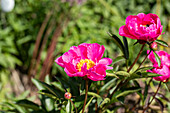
x=143 y=75
x=145 y=92
x=122 y=73
x=143 y=69
x=117 y=59
x=117 y=41
x=126 y=50
x=157 y=58
x=87 y=104
x=47 y=93
x=51 y=89
x=160 y=104
x=108 y=85
x=166 y=87
x=132 y=90
x=47 y=79
x=28 y=104
x=99 y=101
x=49 y=104
x=38 y=84
x=94 y=94
x=105 y=101
x=68 y=107
x=160 y=42
x=111 y=75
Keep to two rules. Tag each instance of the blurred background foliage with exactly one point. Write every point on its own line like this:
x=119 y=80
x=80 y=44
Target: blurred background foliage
x=60 y=25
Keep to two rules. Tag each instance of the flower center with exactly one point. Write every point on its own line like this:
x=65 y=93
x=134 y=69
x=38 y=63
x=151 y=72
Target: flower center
x=146 y=25
x=89 y=63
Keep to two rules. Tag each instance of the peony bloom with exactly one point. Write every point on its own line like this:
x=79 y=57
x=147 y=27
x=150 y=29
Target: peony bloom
x=164 y=57
x=143 y=27
x=85 y=61
x=164 y=69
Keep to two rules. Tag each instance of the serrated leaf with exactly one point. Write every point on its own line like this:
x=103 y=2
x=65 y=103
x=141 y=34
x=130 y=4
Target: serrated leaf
x=157 y=58
x=87 y=104
x=160 y=42
x=118 y=59
x=28 y=104
x=122 y=73
x=126 y=50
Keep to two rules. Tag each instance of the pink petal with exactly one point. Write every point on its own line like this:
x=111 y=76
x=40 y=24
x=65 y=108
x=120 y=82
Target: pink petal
x=123 y=31
x=70 y=67
x=105 y=61
x=60 y=62
x=94 y=76
x=68 y=56
x=101 y=69
x=141 y=15
x=77 y=74
x=81 y=51
x=95 y=51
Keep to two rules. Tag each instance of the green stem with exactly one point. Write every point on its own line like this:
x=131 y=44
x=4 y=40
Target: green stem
x=152 y=98
x=73 y=105
x=85 y=96
x=136 y=58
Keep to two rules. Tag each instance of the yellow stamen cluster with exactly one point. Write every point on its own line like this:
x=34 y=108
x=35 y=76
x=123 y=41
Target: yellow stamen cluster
x=88 y=62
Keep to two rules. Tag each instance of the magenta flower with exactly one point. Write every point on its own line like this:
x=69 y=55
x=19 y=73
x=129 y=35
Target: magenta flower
x=164 y=69
x=143 y=27
x=164 y=57
x=85 y=61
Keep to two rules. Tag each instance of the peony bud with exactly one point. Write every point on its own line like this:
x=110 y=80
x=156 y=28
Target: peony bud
x=154 y=46
x=67 y=95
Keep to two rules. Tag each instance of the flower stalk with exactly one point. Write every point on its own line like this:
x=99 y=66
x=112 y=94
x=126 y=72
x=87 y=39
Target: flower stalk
x=152 y=98
x=136 y=58
x=85 y=100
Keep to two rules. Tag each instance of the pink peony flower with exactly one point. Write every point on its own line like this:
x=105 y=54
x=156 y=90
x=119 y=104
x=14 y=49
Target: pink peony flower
x=164 y=69
x=85 y=61
x=164 y=57
x=143 y=27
